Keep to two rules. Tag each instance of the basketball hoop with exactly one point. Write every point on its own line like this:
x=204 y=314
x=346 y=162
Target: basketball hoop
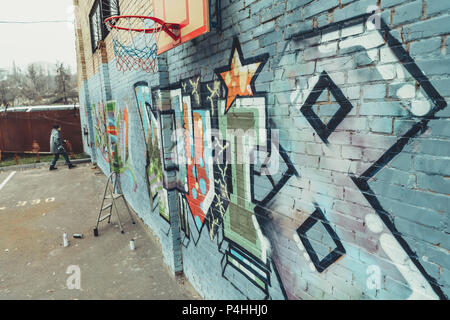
x=139 y=52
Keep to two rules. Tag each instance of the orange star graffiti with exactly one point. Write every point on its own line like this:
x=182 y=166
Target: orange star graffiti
x=239 y=77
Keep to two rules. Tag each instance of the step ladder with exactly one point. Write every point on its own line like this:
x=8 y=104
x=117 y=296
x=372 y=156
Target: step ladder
x=111 y=194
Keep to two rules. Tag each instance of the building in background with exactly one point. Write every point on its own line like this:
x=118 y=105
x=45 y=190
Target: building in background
x=294 y=149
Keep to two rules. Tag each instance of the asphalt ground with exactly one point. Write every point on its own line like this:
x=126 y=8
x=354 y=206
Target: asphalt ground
x=37 y=206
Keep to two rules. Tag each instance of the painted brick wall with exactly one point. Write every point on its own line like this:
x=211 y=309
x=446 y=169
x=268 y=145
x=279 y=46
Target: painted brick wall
x=337 y=185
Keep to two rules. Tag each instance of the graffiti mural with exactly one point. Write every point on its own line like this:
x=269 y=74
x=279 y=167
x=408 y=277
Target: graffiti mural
x=331 y=114
x=118 y=129
x=292 y=165
x=152 y=134
x=101 y=137
x=195 y=166
x=242 y=123
x=243 y=191
x=219 y=119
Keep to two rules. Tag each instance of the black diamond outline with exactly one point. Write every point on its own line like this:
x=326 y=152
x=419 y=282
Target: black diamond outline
x=276 y=186
x=324 y=131
x=333 y=256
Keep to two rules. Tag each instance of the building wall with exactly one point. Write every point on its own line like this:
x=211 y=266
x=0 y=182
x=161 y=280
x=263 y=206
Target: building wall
x=336 y=185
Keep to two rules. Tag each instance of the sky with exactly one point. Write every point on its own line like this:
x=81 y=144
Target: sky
x=37 y=42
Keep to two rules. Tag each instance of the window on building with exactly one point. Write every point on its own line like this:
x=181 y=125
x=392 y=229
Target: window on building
x=101 y=10
x=110 y=8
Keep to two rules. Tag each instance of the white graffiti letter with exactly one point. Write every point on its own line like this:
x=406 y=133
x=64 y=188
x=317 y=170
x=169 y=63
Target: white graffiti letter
x=74 y=280
x=374 y=279
x=375 y=18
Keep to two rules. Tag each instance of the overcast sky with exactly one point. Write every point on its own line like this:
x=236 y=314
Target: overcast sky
x=42 y=42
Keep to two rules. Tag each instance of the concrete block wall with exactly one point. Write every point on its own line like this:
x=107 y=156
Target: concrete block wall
x=349 y=103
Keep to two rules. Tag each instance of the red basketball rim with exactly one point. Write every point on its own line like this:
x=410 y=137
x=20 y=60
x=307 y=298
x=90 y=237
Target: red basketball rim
x=150 y=30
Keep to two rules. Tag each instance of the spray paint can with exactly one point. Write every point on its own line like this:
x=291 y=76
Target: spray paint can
x=132 y=247
x=78 y=235
x=65 y=240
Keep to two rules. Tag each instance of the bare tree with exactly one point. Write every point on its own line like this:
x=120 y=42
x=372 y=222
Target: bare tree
x=3 y=93
x=39 y=84
x=7 y=92
x=29 y=90
x=62 y=80
x=34 y=86
x=16 y=84
x=40 y=81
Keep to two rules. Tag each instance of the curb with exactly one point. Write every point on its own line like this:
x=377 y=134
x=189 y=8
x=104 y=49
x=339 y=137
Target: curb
x=41 y=164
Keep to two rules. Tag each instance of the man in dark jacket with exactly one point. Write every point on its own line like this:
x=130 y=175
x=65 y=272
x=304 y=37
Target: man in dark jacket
x=56 y=147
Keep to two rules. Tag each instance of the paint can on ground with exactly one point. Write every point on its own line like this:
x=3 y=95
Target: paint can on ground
x=65 y=240
x=132 y=246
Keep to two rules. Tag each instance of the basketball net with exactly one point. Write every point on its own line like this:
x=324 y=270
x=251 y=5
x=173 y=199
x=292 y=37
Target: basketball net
x=135 y=48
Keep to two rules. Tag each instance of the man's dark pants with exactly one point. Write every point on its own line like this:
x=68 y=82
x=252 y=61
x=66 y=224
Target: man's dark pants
x=57 y=157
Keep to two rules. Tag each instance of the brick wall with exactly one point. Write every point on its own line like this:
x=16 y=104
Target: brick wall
x=336 y=185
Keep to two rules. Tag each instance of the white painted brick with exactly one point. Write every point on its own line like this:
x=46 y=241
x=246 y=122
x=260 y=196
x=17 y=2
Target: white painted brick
x=353 y=30
x=350 y=152
x=388 y=72
x=387 y=56
x=330 y=36
x=368 y=41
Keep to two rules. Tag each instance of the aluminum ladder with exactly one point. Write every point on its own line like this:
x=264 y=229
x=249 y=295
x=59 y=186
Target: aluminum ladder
x=110 y=194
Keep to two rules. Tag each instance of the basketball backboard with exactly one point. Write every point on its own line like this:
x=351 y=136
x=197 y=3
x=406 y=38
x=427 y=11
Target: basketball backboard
x=192 y=15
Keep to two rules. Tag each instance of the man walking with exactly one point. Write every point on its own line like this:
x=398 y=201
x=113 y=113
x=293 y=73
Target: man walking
x=56 y=147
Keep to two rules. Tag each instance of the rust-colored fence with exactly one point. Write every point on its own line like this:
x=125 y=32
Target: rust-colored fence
x=18 y=130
